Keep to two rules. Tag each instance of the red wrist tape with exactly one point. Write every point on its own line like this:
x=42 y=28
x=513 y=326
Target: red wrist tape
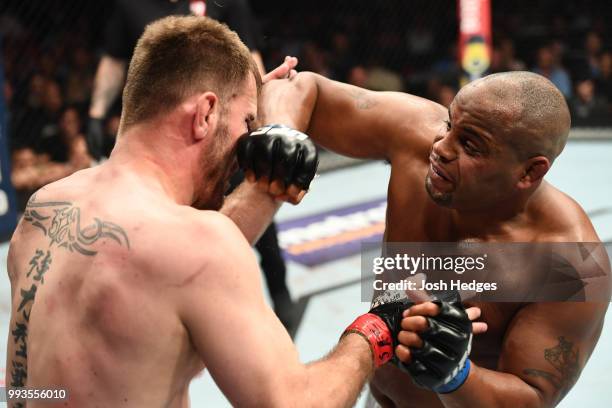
x=374 y=329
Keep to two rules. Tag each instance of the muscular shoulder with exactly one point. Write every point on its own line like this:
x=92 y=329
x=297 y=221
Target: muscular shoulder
x=210 y=226
x=199 y=242
x=418 y=121
x=563 y=219
x=211 y=261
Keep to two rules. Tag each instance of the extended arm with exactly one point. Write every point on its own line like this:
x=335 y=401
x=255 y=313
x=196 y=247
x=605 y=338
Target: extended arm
x=243 y=344
x=351 y=120
x=251 y=209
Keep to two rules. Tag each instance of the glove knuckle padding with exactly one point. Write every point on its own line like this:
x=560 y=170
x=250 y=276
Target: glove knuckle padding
x=263 y=156
x=391 y=313
x=446 y=346
x=308 y=166
x=285 y=154
x=280 y=153
x=244 y=152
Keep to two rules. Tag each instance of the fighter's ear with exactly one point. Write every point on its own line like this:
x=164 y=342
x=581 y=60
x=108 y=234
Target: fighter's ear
x=205 y=118
x=534 y=171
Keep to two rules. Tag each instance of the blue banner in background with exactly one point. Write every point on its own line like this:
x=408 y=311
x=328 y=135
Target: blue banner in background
x=8 y=205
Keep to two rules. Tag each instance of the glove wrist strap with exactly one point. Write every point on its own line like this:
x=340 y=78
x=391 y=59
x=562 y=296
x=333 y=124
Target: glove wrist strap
x=376 y=332
x=457 y=381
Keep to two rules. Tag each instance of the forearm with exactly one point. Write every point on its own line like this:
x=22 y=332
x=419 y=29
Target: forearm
x=348 y=120
x=107 y=84
x=492 y=389
x=337 y=380
x=251 y=210
x=290 y=102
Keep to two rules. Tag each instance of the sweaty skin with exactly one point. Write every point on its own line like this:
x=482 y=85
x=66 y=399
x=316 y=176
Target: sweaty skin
x=487 y=194
x=122 y=291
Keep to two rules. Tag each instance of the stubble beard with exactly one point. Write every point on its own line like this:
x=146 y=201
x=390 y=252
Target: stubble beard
x=215 y=165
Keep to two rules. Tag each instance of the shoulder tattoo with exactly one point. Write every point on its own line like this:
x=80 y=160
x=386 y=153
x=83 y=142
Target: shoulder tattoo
x=60 y=221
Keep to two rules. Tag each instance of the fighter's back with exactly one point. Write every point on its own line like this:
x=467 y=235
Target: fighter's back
x=93 y=290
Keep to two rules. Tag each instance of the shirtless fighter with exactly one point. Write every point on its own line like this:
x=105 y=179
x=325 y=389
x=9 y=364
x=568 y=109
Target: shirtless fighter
x=125 y=280
x=473 y=172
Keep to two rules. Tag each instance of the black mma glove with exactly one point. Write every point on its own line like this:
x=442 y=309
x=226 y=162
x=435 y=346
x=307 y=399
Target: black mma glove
x=279 y=153
x=95 y=137
x=380 y=327
x=442 y=364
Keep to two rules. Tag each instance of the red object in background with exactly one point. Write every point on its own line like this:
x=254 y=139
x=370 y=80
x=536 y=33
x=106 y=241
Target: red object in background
x=197 y=7
x=474 y=38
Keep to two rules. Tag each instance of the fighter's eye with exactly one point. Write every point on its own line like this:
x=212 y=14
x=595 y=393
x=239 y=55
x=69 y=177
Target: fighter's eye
x=448 y=125
x=469 y=147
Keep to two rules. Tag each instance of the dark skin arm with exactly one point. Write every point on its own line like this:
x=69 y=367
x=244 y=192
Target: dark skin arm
x=352 y=121
x=545 y=348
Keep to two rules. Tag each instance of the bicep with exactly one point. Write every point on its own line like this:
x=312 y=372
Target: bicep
x=368 y=124
x=238 y=337
x=548 y=344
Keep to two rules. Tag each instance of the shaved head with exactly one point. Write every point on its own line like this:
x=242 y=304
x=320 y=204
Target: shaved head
x=533 y=112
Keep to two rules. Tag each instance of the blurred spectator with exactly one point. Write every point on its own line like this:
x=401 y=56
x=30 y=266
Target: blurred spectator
x=8 y=101
x=588 y=109
x=446 y=94
x=592 y=48
x=343 y=59
x=74 y=148
x=32 y=168
x=377 y=78
x=312 y=58
x=358 y=76
x=44 y=137
x=48 y=66
x=420 y=39
x=36 y=125
x=36 y=91
x=504 y=59
x=604 y=81
x=30 y=171
x=80 y=78
x=548 y=67
x=383 y=79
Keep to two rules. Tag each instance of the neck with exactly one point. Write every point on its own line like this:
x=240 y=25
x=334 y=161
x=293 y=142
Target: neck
x=158 y=154
x=496 y=220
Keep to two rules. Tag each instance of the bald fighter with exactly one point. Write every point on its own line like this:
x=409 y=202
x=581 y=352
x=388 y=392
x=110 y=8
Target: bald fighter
x=126 y=281
x=474 y=172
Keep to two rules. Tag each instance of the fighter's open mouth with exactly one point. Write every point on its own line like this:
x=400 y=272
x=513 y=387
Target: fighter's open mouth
x=439 y=173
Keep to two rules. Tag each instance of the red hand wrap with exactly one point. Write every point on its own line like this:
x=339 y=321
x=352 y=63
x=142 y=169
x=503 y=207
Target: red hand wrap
x=374 y=329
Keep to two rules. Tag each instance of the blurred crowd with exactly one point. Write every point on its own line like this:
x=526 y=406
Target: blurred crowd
x=412 y=47
x=50 y=59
